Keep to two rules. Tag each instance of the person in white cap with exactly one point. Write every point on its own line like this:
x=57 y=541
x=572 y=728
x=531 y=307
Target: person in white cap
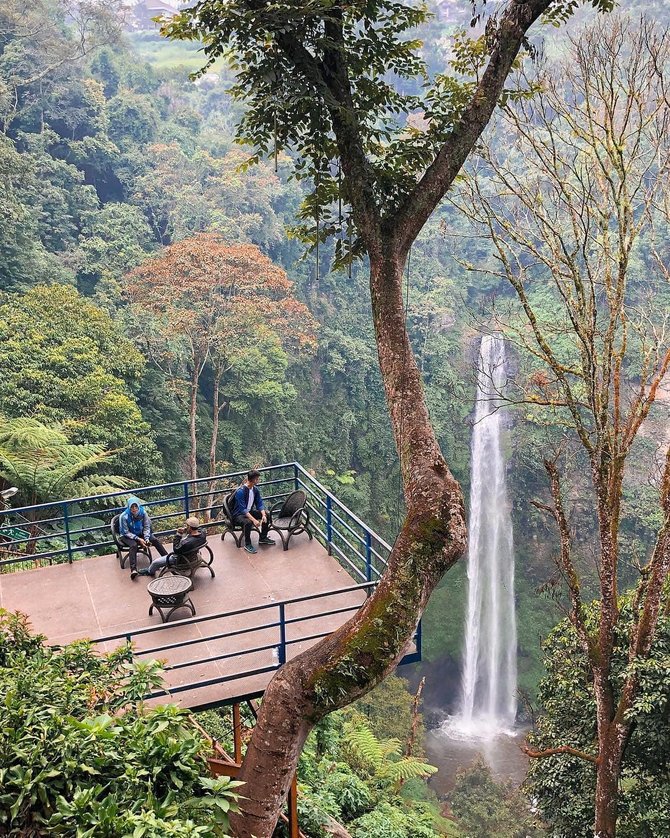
x=187 y=540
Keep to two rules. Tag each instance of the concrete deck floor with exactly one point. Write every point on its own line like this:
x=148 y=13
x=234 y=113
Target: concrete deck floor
x=94 y=598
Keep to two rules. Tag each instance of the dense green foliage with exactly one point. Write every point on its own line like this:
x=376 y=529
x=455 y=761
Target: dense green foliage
x=484 y=808
x=79 y=754
x=563 y=785
x=64 y=360
x=355 y=769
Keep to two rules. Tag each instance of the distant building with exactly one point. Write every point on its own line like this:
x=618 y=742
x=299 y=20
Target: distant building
x=142 y=13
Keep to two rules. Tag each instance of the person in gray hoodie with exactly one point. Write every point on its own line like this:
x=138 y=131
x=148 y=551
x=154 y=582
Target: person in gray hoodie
x=135 y=531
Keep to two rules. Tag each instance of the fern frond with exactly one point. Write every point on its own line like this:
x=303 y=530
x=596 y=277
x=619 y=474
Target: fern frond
x=99 y=484
x=22 y=433
x=45 y=466
x=408 y=768
x=391 y=748
x=365 y=744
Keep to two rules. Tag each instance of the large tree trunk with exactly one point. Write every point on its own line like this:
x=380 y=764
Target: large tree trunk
x=192 y=409
x=612 y=742
x=610 y=739
x=216 y=410
x=356 y=657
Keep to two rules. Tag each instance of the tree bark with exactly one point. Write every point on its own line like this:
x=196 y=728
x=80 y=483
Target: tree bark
x=192 y=409
x=356 y=657
x=612 y=742
x=216 y=410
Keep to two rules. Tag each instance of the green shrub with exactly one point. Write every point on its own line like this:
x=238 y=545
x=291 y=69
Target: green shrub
x=80 y=755
x=387 y=821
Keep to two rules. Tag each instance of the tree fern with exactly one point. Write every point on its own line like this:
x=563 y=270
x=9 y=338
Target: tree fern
x=407 y=768
x=46 y=466
x=364 y=744
x=383 y=759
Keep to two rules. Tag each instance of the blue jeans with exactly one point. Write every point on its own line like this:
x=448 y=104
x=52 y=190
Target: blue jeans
x=158 y=564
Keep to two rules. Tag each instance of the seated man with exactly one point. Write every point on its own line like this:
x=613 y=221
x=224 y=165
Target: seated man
x=187 y=540
x=135 y=530
x=249 y=511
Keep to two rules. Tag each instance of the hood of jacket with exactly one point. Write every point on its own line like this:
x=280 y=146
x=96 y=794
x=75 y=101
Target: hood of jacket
x=131 y=500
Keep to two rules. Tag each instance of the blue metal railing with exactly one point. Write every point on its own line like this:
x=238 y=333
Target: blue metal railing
x=70 y=529
x=278 y=646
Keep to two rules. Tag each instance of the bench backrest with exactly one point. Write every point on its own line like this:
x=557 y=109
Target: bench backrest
x=229 y=505
x=293 y=503
x=115 y=526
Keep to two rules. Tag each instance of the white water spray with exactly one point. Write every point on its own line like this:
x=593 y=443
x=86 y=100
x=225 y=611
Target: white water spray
x=488 y=701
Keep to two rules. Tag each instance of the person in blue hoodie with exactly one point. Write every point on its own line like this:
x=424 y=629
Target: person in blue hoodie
x=249 y=511
x=135 y=531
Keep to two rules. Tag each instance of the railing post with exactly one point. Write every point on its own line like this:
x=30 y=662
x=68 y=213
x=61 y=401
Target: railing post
x=187 y=511
x=368 y=556
x=282 y=634
x=329 y=525
x=66 y=524
x=296 y=479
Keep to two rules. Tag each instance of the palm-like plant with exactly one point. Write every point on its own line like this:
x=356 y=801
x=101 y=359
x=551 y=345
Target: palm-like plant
x=46 y=466
x=383 y=760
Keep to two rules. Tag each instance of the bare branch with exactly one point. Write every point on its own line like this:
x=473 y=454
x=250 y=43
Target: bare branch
x=561 y=749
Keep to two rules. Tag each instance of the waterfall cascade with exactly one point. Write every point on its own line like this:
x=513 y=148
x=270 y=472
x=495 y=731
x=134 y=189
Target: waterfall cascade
x=488 y=700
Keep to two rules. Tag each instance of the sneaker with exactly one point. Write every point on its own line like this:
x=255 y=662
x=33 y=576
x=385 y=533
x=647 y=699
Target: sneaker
x=134 y=574
x=266 y=541
x=250 y=548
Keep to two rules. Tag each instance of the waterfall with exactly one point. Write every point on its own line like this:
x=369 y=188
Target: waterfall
x=488 y=701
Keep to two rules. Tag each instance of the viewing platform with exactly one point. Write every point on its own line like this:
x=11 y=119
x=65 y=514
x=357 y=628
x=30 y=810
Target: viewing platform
x=259 y=611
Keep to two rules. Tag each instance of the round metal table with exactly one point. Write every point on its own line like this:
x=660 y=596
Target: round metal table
x=170 y=593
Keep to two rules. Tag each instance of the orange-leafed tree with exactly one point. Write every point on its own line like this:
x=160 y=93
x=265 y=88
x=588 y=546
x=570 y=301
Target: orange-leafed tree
x=199 y=303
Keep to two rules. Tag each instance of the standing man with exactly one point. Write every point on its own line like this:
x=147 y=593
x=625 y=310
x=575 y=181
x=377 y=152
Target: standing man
x=250 y=511
x=135 y=531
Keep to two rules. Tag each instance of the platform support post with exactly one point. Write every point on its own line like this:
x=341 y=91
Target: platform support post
x=237 y=734
x=293 y=829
